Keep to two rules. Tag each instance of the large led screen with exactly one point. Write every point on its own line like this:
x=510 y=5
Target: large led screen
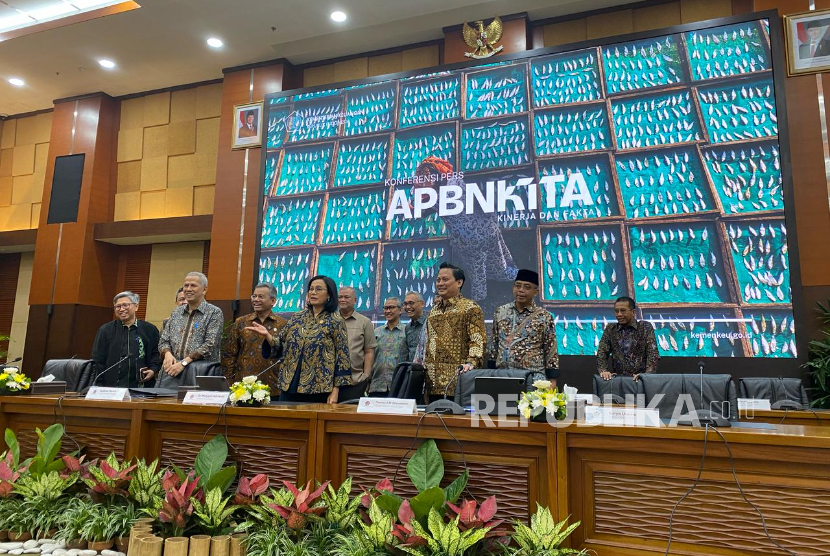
x=649 y=168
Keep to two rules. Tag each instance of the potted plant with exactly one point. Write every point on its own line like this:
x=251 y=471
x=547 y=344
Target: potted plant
x=250 y=392
x=123 y=518
x=542 y=536
x=543 y=401
x=78 y=512
x=213 y=517
x=98 y=529
x=12 y=381
x=819 y=362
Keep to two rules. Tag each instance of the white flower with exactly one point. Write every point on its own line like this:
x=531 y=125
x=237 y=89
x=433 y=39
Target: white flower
x=542 y=385
x=536 y=402
x=260 y=395
x=245 y=397
x=11 y=385
x=249 y=379
x=234 y=398
x=551 y=406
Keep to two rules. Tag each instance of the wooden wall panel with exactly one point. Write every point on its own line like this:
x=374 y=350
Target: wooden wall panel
x=20 y=319
x=10 y=264
x=136 y=260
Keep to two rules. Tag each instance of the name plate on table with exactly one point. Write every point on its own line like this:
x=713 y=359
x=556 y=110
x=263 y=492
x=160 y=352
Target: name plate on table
x=745 y=404
x=107 y=393
x=205 y=397
x=395 y=406
x=622 y=416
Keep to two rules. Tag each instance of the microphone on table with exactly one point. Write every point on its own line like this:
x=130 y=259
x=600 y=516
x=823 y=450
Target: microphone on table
x=102 y=373
x=446 y=406
x=8 y=363
x=704 y=417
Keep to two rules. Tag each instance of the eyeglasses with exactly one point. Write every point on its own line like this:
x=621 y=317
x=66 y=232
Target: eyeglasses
x=390 y=307
x=316 y=289
x=123 y=306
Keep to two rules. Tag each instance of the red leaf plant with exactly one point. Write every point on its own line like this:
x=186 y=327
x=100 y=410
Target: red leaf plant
x=249 y=490
x=384 y=485
x=404 y=531
x=8 y=475
x=177 y=506
x=108 y=481
x=470 y=517
x=76 y=465
x=301 y=508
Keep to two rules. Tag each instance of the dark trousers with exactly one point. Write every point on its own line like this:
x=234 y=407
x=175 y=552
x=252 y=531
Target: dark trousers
x=353 y=392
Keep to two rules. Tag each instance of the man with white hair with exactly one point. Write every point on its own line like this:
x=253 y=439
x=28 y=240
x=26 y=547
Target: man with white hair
x=193 y=332
x=127 y=348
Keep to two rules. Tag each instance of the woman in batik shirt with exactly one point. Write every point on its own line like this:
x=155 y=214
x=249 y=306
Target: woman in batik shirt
x=313 y=346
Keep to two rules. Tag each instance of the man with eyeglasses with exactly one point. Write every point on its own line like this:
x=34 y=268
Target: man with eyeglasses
x=129 y=339
x=362 y=343
x=242 y=355
x=413 y=306
x=391 y=350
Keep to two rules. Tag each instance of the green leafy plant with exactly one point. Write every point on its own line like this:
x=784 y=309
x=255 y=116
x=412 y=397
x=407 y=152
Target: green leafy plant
x=444 y=538
x=209 y=465
x=47 y=487
x=146 y=486
x=99 y=525
x=122 y=519
x=4 y=338
x=77 y=513
x=265 y=513
x=46 y=459
x=543 y=536
x=341 y=508
x=9 y=508
x=819 y=361
x=213 y=516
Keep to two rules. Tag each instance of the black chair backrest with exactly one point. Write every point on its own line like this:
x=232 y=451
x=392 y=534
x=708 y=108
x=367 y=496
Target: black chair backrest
x=618 y=388
x=408 y=382
x=466 y=385
x=76 y=372
x=718 y=392
x=774 y=389
x=188 y=376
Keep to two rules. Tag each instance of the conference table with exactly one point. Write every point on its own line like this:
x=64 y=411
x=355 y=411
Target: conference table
x=620 y=482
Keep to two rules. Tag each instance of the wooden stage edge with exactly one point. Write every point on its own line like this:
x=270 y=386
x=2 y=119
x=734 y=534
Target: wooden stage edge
x=620 y=482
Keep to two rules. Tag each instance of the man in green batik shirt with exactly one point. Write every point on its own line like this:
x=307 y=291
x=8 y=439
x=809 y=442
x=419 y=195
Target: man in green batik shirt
x=391 y=350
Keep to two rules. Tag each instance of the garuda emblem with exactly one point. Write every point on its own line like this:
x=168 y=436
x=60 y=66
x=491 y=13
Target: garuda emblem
x=483 y=39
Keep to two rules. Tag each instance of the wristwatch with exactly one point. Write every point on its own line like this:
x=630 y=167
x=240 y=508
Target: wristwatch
x=184 y=363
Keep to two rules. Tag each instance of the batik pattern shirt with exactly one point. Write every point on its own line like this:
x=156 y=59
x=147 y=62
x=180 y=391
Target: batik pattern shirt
x=524 y=339
x=454 y=334
x=413 y=335
x=242 y=355
x=315 y=347
x=632 y=348
x=195 y=334
x=390 y=351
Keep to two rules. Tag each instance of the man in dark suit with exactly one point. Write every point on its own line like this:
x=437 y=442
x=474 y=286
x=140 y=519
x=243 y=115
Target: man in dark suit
x=817 y=43
x=135 y=341
x=249 y=129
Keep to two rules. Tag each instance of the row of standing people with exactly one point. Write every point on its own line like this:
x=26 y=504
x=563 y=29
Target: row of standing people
x=329 y=352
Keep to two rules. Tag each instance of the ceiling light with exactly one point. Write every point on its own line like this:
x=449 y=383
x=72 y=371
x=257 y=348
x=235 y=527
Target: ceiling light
x=17 y=82
x=51 y=11
x=213 y=42
x=108 y=64
x=338 y=16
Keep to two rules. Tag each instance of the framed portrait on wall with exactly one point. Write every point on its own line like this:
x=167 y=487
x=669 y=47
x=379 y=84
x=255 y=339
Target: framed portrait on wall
x=247 y=128
x=808 y=42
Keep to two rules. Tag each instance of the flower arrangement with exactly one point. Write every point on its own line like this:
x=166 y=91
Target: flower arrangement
x=250 y=391
x=12 y=381
x=543 y=399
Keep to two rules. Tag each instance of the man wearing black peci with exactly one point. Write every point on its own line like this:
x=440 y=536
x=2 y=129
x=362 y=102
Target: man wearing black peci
x=630 y=343
x=128 y=337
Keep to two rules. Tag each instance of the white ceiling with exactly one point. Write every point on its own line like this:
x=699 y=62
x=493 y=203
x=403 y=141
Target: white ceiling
x=163 y=43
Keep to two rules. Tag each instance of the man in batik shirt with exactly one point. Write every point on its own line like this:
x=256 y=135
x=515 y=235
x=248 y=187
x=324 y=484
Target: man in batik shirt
x=524 y=335
x=391 y=350
x=454 y=337
x=630 y=344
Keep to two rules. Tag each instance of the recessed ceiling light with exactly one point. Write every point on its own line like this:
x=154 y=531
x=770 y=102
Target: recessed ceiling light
x=338 y=16
x=17 y=82
x=213 y=42
x=109 y=64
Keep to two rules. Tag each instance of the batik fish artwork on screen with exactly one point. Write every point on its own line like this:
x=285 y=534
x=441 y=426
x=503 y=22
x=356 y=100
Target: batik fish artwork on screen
x=649 y=166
